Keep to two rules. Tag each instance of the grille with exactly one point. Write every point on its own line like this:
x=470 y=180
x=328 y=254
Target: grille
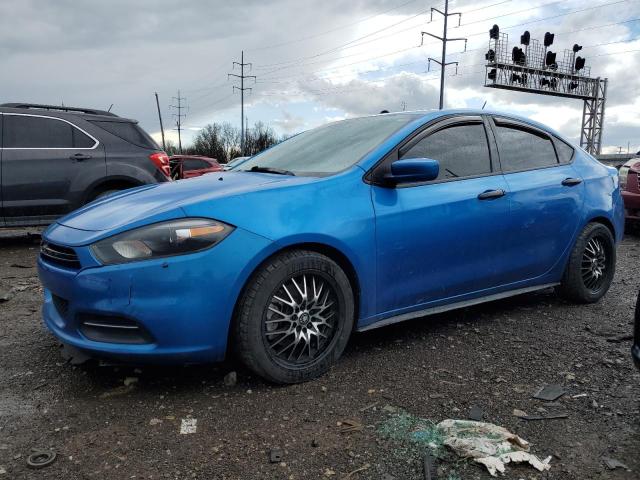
x=59 y=255
x=62 y=305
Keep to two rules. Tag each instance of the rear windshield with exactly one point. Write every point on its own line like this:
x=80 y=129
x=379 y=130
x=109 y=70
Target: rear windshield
x=128 y=131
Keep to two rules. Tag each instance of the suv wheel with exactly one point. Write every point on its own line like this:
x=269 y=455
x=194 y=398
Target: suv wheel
x=295 y=317
x=591 y=266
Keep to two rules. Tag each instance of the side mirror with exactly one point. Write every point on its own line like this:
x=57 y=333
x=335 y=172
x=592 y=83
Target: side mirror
x=412 y=170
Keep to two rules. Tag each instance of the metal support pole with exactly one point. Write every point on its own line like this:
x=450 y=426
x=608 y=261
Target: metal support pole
x=164 y=146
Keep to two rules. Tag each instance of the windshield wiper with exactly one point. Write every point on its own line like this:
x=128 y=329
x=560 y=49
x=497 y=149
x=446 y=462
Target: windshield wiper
x=277 y=171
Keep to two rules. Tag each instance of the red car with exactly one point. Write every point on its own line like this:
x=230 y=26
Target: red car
x=630 y=186
x=188 y=166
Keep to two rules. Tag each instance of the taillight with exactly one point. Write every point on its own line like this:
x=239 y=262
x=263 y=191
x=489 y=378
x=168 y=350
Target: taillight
x=161 y=161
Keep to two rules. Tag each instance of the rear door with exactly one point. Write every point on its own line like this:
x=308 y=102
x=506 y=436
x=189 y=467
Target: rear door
x=545 y=197
x=43 y=160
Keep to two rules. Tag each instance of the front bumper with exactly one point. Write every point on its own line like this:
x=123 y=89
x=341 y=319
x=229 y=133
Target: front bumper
x=183 y=304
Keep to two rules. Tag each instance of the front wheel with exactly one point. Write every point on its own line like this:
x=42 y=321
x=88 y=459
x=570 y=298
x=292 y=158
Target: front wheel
x=591 y=266
x=295 y=317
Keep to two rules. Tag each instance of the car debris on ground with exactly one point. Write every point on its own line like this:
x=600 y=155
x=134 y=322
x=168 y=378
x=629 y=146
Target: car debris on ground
x=188 y=426
x=485 y=443
x=488 y=444
x=549 y=393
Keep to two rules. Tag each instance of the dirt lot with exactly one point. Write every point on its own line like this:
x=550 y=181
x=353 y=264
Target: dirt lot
x=493 y=356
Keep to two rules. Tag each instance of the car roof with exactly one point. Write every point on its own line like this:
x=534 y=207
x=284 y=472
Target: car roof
x=62 y=112
x=424 y=116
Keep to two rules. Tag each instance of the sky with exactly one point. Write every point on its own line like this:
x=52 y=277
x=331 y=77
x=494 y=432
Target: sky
x=314 y=62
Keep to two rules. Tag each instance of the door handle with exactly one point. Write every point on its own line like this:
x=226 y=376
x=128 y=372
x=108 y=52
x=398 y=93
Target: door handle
x=491 y=194
x=78 y=157
x=570 y=182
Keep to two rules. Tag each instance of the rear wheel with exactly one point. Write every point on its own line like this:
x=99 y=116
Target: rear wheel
x=591 y=266
x=295 y=317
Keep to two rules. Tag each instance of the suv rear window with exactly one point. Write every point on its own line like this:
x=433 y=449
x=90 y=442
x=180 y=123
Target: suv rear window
x=129 y=132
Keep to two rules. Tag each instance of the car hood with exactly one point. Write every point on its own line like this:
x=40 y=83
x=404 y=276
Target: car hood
x=163 y=201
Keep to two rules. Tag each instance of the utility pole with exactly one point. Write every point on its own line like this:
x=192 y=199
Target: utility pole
x=164 y=147
x=242 y=88
x=179 y=116
x=444 y=39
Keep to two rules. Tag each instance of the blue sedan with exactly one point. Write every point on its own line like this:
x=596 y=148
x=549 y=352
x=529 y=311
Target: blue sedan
x=349 y=226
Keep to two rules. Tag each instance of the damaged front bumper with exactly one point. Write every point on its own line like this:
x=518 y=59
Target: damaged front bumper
x=167 y=310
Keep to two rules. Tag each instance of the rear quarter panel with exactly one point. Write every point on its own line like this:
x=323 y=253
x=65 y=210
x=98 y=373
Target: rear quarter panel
x=602 y=192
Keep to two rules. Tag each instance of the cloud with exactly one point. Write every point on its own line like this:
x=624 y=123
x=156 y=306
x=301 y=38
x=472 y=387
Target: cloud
x=312 y=62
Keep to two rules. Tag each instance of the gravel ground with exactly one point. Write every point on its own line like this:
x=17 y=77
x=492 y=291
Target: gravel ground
x=493 y=356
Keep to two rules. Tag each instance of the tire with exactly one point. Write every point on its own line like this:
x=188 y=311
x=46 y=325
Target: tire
x=580 y=282
x=272 y=310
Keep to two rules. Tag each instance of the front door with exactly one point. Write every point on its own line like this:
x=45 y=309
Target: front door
x=41 y=159
x=444 y=238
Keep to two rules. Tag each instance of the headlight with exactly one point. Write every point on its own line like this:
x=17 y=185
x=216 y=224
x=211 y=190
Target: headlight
x=166 y=239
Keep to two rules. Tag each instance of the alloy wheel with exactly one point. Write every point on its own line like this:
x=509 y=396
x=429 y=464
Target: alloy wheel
x=594 y=264
x=301 y=319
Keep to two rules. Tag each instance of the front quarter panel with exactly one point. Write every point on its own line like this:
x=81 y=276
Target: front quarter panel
x=333 y=211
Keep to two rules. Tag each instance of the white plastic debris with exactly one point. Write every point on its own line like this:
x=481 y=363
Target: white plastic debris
x=489 y=445
x=189 y=425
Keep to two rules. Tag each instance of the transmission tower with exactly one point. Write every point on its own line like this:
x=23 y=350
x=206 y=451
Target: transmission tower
x=241 y=88
x=444 y=39
x=178 y=117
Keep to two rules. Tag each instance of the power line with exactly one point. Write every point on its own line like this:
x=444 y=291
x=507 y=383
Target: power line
x=483 y=32
x=310 y=37
x=241 y=88
x=179 y=116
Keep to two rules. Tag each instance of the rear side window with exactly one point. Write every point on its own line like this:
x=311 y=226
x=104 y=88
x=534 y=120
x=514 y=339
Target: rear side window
x=194 y=164
x=462 y=151
x=522 y=149
x=565 y=151
x=129 y=132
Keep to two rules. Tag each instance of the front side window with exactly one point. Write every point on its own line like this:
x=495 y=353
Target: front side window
x=522 y=149
x=461 y=150
x=24 y=131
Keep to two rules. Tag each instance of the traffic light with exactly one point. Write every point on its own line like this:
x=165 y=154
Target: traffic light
x=579 y=63
x=548 y=39
x=493 y=33
x=525 y=38
x=553 y=83
x=576 y=48
x=492 y=74
x=490 y=56
x=518 y=56
x=550 y=60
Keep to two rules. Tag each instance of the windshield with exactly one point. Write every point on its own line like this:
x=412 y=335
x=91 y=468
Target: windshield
x=329 y=149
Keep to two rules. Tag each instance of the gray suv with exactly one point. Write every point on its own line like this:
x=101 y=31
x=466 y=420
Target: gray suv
x=55 y=159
